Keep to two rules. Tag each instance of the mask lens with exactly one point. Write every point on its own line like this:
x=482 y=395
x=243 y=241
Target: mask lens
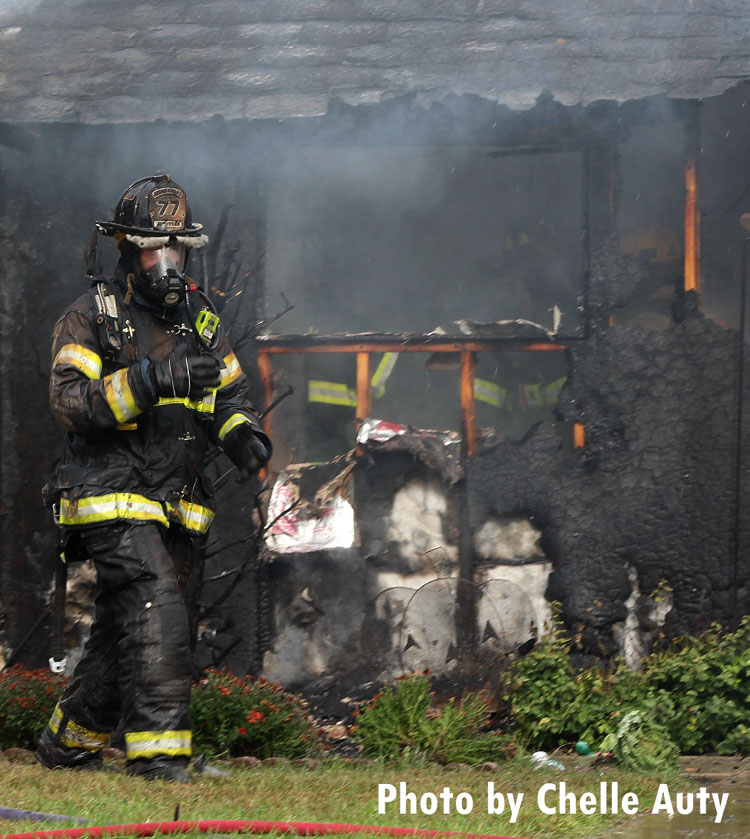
x=167 y=256
x=162 y=270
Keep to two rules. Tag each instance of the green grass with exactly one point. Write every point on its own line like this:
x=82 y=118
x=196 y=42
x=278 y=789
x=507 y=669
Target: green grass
x=335 y=792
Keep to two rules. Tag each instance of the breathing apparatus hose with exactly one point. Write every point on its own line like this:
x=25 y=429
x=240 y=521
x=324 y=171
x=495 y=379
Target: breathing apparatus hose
x=240 y=826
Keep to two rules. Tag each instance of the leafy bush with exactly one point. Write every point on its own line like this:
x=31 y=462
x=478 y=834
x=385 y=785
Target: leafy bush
x=248 y=716
x=402 y=723
x=700 y=690
x=27 y=698
x=696 y=689
x=642 y=745
x=543 y=693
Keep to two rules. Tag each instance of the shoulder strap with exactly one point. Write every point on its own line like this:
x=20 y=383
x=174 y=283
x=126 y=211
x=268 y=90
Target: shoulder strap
x=113 y=326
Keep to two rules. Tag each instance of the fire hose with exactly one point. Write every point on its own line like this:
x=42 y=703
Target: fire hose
x=241 y=826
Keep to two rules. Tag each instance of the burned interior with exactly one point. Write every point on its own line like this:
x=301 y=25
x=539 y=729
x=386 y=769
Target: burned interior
x=500 y=351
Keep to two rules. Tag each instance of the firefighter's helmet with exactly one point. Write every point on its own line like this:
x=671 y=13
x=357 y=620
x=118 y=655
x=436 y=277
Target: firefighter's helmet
x=155 y=231
x=653 y=245
x=154 y=208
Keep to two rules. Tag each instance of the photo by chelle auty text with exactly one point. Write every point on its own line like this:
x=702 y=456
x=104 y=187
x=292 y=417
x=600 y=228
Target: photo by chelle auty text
x=551 y=799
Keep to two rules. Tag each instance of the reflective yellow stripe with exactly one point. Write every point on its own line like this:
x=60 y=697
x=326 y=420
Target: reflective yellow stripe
x=331 y=393
x=338 y=393
x=232 y=422
x=489 y=392
x=232 y=370
x=115 y=505
x=193 y=517
x=76 y=736
x=87 y=361
x=120 y=397
x=127 y=426
x=204 y=406
x=382 y=372
x=532 y=395
x=552 y=390
x=153 y=743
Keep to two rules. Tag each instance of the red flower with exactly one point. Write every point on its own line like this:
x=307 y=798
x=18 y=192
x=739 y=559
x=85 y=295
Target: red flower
x=256 y=716
x=242 y=730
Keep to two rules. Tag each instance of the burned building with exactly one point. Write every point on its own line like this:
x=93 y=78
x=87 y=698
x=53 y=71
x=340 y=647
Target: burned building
x=485 y=262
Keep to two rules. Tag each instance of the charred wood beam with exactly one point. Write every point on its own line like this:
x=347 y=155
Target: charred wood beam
x=466 y=592
x=549 y=148
x=692 y=211
x=374 y=342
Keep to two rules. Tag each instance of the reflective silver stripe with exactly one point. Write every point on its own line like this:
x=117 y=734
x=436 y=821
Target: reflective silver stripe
x=114 y=505
x=152 y=743
x=232 y=422
x=83 y=359
x=232 y=370
x=191 y=516
x=120 y=397
x=332 y=393
x=489 y=392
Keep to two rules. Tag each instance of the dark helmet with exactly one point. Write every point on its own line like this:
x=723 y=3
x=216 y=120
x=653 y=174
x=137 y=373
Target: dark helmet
x=153 y=206
x=154 y=215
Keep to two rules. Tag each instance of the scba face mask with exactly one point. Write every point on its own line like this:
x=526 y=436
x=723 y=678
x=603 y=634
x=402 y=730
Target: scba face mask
x=160 y=278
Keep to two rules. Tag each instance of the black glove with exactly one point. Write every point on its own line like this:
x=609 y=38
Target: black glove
x=247 y=447
x=180 y=375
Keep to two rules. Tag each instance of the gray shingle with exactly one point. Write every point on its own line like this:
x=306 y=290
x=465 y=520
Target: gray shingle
x=191 y=59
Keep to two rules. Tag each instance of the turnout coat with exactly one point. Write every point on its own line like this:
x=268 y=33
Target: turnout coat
x=125 y=457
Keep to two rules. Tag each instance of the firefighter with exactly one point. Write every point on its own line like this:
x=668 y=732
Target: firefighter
x=144 y=381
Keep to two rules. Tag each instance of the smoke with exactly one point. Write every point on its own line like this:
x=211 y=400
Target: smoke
x=19 y=10
x=8 y=6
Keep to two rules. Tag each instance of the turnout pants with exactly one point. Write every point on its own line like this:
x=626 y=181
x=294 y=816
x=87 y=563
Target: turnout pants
x=136 y=666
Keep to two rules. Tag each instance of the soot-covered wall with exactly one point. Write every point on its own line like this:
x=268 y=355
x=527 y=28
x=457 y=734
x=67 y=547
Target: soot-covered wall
x=654 y=488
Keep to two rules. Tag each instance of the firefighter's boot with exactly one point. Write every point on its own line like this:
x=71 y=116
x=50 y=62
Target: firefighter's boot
x=54 y=755
x=160 y=769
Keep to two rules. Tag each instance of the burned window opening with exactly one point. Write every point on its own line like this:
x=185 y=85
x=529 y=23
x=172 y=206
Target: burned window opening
x=404 y=238
x=456 y=353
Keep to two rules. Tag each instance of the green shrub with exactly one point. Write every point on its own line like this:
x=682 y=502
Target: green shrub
x=27 y=698
x=402 y=723
x=554 y=705
x=700 y=689
x=248 y=716
x=642 y=745
x=543 y=693
x=696 y=689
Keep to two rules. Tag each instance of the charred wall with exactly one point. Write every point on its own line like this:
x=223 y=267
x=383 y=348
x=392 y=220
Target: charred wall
x=654 y=488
